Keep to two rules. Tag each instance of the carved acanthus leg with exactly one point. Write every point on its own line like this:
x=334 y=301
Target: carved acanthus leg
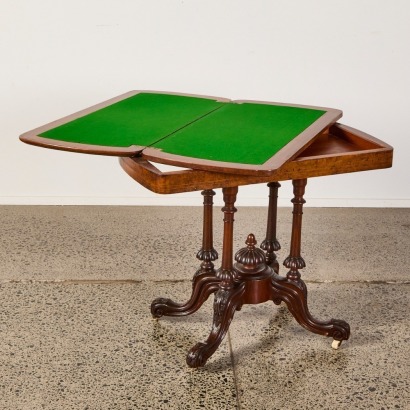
x=292 y=290
x=228 y=298
x=204 y=282
x=271 y=245
x=295 y=296
x=203 y=286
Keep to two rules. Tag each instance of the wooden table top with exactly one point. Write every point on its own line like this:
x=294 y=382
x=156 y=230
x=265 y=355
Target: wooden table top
x=198 y=132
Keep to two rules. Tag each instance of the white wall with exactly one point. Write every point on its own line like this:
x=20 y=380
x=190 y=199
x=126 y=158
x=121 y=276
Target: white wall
x=59 y=56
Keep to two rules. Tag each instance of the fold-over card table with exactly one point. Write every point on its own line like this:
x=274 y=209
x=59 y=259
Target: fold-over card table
x=225 y=144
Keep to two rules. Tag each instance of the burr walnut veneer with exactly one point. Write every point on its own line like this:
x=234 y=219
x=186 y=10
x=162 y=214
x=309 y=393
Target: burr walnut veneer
x=225 y=144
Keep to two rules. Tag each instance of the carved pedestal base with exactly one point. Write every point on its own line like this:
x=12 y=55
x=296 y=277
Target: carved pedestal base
x=252 y=279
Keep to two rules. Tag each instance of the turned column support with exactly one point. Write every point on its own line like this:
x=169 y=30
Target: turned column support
x=207 y=254
x=228 y=298
x=271 y=245
x=229 y=196
x=294 y=261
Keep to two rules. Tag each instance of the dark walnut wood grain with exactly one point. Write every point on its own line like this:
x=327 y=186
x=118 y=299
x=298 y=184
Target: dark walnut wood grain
x=207 y=254
x=270 y=244
x=228 y=297
x=252 y=279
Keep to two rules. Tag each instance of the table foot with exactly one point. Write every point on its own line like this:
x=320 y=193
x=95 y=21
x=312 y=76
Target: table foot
x=226 y=302
x=294 y=294
x=204 y=284
x=336 y=344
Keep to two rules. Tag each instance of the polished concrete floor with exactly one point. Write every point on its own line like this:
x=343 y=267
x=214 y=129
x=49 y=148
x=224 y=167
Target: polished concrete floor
x=76 y=332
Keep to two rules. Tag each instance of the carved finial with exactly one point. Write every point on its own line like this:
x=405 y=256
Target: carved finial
x=250 y=256
x=251 y=241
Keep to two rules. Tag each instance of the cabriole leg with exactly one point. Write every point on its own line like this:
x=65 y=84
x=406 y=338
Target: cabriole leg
x=292 y=290
x=205 y=281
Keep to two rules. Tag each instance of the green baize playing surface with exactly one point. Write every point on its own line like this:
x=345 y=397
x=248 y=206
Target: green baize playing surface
x=246 y=133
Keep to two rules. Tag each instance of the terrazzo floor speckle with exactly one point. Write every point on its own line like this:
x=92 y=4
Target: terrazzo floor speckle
x=108 y=242
x=96 y=347
x=280 y=363
x=76 y=331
